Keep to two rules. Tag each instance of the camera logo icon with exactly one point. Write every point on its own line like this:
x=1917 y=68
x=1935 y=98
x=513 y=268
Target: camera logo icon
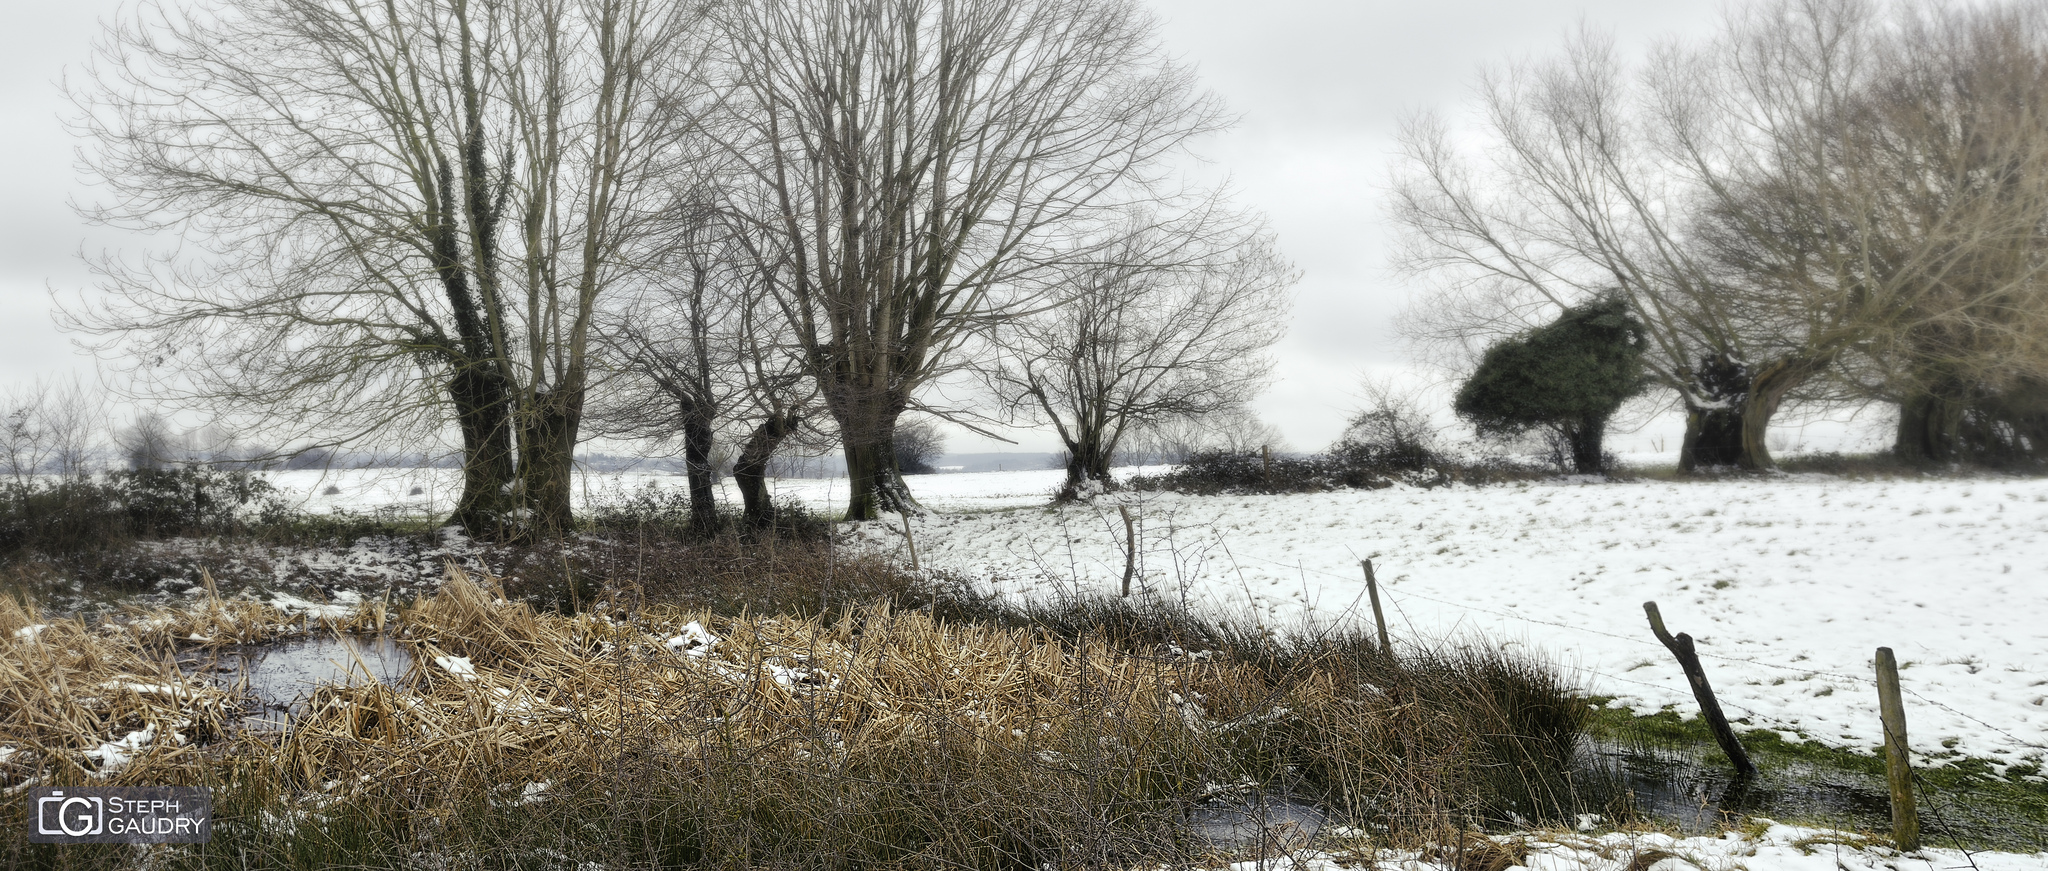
x=74 y=816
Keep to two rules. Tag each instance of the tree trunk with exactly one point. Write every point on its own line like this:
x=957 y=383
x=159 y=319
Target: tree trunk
x=1087 y=469
x=697 y=438
x=1713 y=437
x=750 y=469
x=1767 y=391
x=1713 y=414
x=1930 y=429
x=867 y=430
x=547 y=445
x=876 y=484
x=1586 y=438
x=1733 y=434
x=2010 y=427
x=483 y=415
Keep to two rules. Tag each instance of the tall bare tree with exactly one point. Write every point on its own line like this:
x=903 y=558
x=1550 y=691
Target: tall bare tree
x=1172 y=323
x=699 y=353
x=918 y=170
x=49 y=428
x=394 y=216
x=1595 y=178
x=672 y=347
x=1956 y=126
x=1775 y=205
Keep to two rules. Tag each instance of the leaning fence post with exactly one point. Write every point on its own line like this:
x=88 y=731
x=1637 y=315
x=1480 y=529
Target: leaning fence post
x=1372 y=588
x=1898 y=766
x=1681 y=647
x=909 y=540
x=1130 y=547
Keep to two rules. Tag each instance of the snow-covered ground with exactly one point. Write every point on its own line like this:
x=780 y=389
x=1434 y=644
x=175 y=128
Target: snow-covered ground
x=1787 y=584
x=1765 y=847
x=433 y=491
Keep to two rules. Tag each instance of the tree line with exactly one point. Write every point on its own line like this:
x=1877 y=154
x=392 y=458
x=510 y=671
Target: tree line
x=1830 y=201
x=525 y=223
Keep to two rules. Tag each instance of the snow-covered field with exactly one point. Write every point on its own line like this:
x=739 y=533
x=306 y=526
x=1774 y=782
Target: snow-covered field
x=1768 y=846
x=1787 y=584
x=433 y=491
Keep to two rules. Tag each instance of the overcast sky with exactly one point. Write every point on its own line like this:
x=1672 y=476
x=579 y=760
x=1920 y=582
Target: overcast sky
x=1320 y=86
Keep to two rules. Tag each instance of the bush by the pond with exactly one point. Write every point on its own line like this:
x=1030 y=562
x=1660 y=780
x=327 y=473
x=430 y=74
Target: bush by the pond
x=869 y=736
x=72 y=514
x=657 y=512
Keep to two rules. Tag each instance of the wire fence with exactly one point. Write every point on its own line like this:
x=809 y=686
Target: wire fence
x=1858 y=680
x=1747 y=711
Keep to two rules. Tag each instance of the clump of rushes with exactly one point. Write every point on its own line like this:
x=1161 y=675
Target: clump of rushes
x=79 y=703
x=863 y=737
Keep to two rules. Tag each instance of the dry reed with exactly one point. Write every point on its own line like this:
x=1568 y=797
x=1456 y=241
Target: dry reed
x=865 y=737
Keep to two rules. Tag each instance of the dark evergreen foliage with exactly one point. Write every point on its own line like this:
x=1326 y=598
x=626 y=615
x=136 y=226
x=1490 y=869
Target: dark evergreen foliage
x=1566 y=377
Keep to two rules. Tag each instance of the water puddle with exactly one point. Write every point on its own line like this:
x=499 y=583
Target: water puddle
x=1248 y=821
x=1702 y=797
x=282 y=676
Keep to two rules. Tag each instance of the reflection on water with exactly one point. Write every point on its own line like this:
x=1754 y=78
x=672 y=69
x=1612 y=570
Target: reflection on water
x=281 y=676
x=1703 y=797
x=1245 y=822
x=1699 y=793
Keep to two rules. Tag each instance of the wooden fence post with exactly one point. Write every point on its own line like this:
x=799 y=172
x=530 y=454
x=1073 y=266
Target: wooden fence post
x=909 y=540
x=1372 y=588
x=1898 y=766
x=1130 y=548
x=1681 y=647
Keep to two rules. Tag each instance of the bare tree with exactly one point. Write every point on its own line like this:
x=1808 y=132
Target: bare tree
x=918 y=170
x=49 y=428
x=701 y=354
x=1597 y=179
x=150 y=443
x=918 y=444
x=1394 y=418
x=1233 y=429
x=1829 y=187
x=394 y=216
x=1955 y=131
x=677 y=360
x=1173 y=322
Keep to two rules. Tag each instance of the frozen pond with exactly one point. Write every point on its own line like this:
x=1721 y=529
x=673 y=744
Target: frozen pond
x=282 y=676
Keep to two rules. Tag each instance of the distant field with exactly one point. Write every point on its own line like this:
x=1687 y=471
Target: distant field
x=433 y=491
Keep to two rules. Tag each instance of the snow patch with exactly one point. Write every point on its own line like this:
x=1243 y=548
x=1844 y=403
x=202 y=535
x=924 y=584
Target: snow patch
x=694 y=641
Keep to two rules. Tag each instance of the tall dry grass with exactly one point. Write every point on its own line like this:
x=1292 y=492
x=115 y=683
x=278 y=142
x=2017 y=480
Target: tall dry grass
x=862 y=737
